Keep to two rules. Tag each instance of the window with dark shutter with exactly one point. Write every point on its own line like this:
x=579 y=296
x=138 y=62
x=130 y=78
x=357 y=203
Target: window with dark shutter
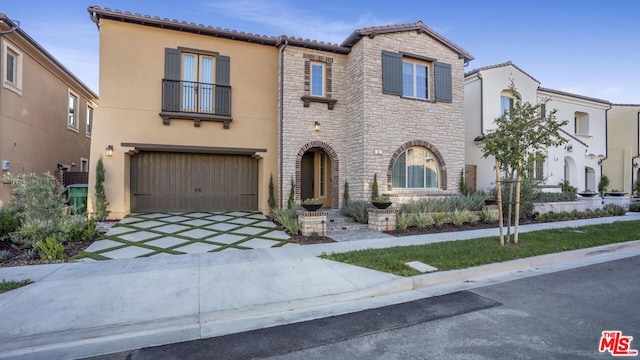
x=223 y=90
x=443 y=82
x=171 y=85
x=391 y=73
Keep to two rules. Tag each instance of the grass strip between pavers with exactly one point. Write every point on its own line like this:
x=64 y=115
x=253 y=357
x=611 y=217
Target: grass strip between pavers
x=451 y=255
x=8 y=285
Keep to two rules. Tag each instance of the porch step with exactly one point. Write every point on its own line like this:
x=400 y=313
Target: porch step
x=347 y=227
x=338 y=222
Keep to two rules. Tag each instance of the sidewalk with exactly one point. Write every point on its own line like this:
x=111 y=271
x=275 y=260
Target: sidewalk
x=83 y=309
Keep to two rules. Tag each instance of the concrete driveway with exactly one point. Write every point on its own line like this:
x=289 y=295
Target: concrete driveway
x=160 y=234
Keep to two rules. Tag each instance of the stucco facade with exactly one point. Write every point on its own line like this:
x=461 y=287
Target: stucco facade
x=577 y=161
x=622 y=165
x=35 y=134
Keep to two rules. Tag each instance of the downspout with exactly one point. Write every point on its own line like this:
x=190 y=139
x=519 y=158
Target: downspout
x=280 y=135
x=606 y=139
x=481 y=104
x=637 y=153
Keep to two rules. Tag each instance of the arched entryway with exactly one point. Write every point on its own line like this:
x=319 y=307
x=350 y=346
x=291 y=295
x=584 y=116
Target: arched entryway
x=570 y=170
x=317 y=174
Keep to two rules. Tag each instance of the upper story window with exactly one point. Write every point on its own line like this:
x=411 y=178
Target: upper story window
x=89 y=120
x=12 y=69
x=317 y=79
x=196 y=82
x=409 y=75
x=581 y=123
x=415 y=80
x=506 y=102
x=72 y=111
x=416 y=167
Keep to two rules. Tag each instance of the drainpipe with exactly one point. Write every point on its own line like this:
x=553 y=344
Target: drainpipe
x=606 y=138
x=633 y=171
x=481 y=103
x=280 y=135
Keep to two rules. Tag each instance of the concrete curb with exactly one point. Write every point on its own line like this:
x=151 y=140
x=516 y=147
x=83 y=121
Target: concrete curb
x=495 y=269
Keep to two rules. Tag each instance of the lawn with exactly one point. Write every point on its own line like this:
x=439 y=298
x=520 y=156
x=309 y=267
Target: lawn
x=462 y=254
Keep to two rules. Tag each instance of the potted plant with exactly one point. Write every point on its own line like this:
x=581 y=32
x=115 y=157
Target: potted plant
x=380 y=202
x=311 y=204
x=588 y=193
x=616 y=192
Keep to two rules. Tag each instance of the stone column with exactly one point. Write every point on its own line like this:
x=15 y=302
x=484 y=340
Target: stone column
x=312 y=221
x=382 y=219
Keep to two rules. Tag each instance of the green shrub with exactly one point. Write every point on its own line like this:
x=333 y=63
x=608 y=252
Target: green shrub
x=100 y=211
x=402 y=222
x=438 y=219
x=488 y=216
x=31 y=232
x=374 y=188
x=357 y=209
x=272 y=198
x=314 y=235
x=459 y=217
x=635 y=206
x=636 y=188
x=5 y=255
x=566 y=186
x=288 y=219
x=30 y=254
x=555 y=197
x=291 y=202
x=345 y=194
x=614 y=210
x=8 y=285
x=464 y=188
x=473 y=202
x=9 y=222
x=603 y=185
x=422 y=220
x=51 y=249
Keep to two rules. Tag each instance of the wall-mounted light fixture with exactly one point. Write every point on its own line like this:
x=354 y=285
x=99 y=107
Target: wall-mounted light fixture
x=316 y=126
x=635 y=165
x=109 y=150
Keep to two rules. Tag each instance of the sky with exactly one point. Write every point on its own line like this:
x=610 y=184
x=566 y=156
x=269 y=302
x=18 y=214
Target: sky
x=589 y=47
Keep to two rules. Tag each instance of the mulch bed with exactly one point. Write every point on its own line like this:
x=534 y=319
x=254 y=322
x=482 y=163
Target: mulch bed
x=307 y=240
x=70 y=250
x=412 y=230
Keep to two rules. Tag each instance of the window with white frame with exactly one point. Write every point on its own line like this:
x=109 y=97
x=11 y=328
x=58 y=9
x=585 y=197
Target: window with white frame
x=317 y=79
x=415 y=79
x=12 y=69
x=535 y=166
x=581 y=123
x=416 y=167
x=89 y=120
x=72 y=111
x=506 y=104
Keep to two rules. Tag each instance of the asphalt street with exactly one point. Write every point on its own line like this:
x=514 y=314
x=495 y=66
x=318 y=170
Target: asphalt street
x=553 y=316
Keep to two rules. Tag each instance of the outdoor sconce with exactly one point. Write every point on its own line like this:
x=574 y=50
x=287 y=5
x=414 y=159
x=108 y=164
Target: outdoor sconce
x=316 y=126
x=110 y=150
x=635 y=165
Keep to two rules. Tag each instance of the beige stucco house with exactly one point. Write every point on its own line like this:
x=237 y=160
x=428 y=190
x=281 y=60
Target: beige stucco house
x=622 y=165
x=200 y=118
x=45 y=110
x=487 y=96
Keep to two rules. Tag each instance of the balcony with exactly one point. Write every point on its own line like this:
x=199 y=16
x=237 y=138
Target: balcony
x=195 y=101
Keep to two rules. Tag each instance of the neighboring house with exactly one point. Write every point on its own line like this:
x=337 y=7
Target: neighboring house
x=45 y=111
x=487 y=96
x=199 y=118
x=622 y=165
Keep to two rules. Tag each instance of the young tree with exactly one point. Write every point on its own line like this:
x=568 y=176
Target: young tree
x=100 y=210
x=522 y=131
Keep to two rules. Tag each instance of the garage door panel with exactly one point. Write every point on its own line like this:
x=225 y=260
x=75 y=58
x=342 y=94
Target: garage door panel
x=193 y=182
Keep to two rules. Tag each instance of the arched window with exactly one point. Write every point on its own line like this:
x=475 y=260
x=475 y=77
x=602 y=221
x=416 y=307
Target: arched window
x=416 y=167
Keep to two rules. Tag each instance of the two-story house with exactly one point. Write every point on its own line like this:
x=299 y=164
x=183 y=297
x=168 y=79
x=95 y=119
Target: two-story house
x=622 y=165
x=200 y=118
x=488 y=96
x=46 y=112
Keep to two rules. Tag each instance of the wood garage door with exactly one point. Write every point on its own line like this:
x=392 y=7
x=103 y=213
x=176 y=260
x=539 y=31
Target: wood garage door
x=163 y=181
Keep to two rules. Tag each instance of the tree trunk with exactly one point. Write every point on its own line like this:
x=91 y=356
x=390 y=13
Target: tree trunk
x=517 y=221
x=499 y=200
x=510 y=208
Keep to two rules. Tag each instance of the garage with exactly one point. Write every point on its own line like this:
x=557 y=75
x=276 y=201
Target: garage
x=173 y=181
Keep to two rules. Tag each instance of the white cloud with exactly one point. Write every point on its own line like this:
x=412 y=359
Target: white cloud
x=294 y=21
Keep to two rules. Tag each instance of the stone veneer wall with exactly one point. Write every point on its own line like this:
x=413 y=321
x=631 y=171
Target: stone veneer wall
x=298 y=123
x=391 y=121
